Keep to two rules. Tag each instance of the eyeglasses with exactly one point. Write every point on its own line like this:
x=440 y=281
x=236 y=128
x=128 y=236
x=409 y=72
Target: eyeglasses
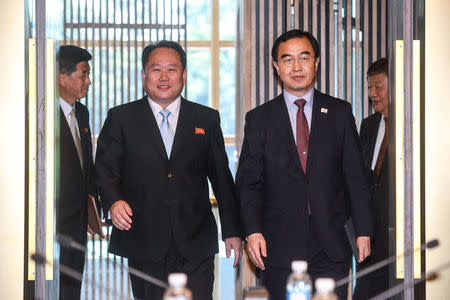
x=302 y=59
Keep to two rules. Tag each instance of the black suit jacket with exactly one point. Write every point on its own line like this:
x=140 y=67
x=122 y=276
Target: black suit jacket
x=75 y=183
x=169 y=198
x=274 y=191
x=379 y=203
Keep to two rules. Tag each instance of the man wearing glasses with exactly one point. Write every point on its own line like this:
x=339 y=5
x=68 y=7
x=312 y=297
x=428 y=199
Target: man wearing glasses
x=301 y=175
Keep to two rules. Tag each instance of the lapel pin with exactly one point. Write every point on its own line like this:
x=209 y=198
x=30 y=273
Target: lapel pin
x=199 y=130
x=85 y=130
x=324 y=110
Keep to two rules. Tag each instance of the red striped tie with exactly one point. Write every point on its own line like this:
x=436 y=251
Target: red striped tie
x=302 y=133
x=383 y=148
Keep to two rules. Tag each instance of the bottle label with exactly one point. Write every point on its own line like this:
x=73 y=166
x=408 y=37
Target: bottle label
x=299 y=296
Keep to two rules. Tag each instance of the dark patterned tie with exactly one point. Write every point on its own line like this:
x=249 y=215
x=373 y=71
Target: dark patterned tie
x=302 y=137
x=302 y=133
x=383 y=147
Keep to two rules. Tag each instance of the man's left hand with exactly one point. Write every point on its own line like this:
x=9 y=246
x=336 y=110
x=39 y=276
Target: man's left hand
x=234 y=243
x=363 y=243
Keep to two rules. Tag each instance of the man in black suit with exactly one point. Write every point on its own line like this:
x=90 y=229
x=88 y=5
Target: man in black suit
x=301 y=174
x=374 y=142
x=155 y=156
x=76 y=165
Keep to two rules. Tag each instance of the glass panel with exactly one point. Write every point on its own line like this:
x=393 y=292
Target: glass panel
x=55 y=19
x=227 y=19
x=224 y=266
x=226 y=274
x=232 y=158
x=198 y=20
x=198 y=75
x=228 y=90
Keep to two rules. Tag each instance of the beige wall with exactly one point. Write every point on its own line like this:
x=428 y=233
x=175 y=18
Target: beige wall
x=12 y=148
x=437 y=141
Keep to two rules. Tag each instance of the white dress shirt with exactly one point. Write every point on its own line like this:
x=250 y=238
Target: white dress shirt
x=380 y=136
x=293 y=108
x=67 y=108
x=174 y=109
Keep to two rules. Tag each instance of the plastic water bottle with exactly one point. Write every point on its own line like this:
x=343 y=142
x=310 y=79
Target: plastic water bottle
x=299 y=283
x=324 y=289
x=177 y=288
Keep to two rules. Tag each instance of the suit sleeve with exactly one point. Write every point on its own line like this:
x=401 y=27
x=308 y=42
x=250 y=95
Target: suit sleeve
x=107 y=162
x=364 y=138
x=92 y=188
x=222 y=182
x=249 y=177
x=363 y=130
x=366 y=143
x=355 y=178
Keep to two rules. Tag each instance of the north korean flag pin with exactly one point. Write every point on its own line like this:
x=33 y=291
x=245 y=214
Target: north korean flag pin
x=199 y=130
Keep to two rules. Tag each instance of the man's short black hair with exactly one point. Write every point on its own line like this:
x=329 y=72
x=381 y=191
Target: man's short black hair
x=293 y=34
x=380 y=66
x=164 y=44
x=70 y=56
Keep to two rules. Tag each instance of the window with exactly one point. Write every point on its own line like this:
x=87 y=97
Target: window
x=211 y=33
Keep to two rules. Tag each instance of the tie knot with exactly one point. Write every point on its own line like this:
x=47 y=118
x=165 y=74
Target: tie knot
x=72 y=112
x=165 y=113
x=300 y=103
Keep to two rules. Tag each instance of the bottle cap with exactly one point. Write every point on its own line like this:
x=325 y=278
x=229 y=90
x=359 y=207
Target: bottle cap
x=299 y=266
x=177 y=279
x=325 y=285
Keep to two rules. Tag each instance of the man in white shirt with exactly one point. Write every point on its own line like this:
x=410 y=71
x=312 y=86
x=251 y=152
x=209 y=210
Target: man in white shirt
x=76 y=165
x=154 y=158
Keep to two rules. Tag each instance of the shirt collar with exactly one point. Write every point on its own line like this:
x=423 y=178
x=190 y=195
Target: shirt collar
x=173 y=107
x=66 y=107
x=289 y=98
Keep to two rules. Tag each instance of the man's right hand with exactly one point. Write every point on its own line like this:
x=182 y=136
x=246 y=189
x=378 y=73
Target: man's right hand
x=256 y=246
x=120 y=213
